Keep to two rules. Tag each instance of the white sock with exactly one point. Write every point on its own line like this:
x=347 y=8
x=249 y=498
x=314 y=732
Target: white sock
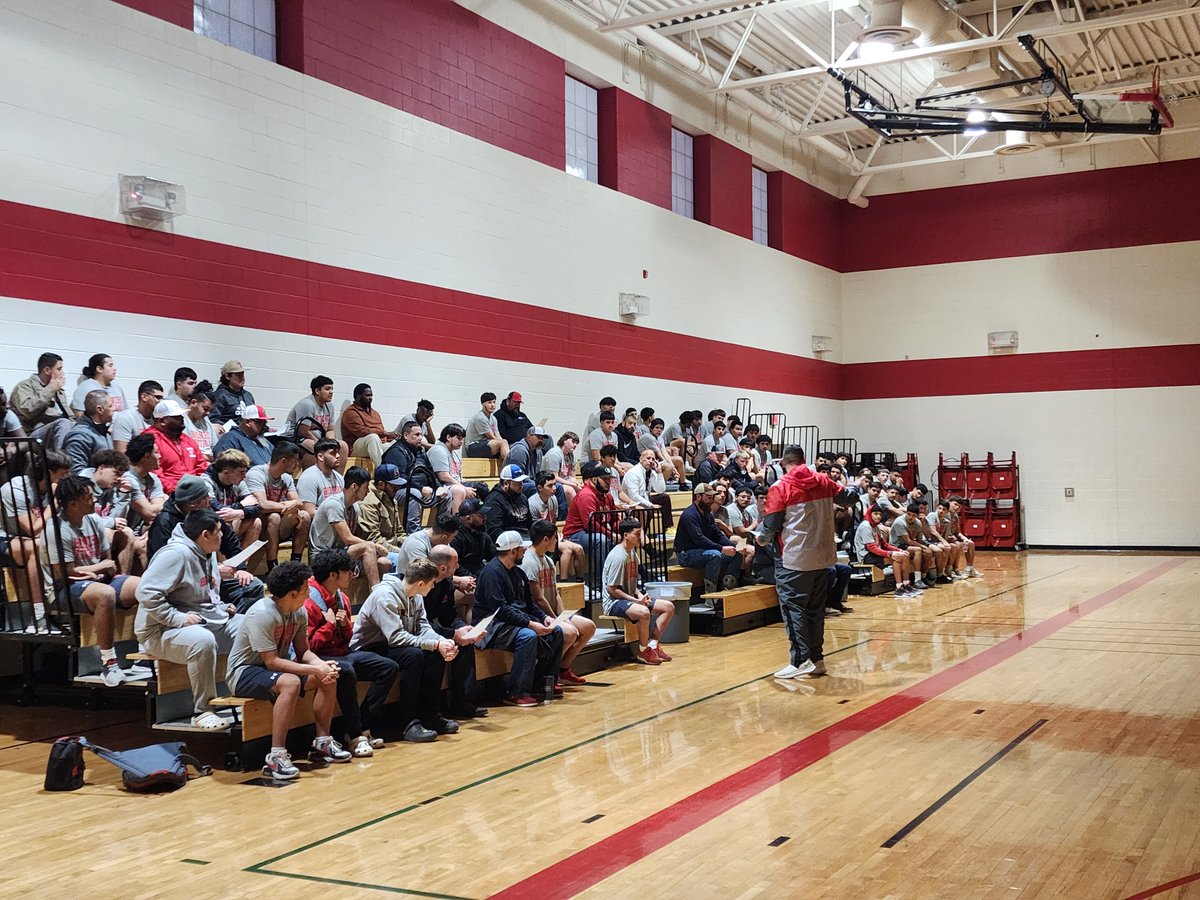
x=653 y=643
x=276 y=751
x=321 y=741
x=107 y=656
x=641 y=648
x=39 y=611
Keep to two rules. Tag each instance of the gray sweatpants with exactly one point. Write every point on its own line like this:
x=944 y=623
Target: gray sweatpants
x=197 y=647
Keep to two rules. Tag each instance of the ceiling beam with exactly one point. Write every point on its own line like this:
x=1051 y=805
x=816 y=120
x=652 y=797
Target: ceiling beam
x=1147 y=12
x=724 y=18
x=748 y=7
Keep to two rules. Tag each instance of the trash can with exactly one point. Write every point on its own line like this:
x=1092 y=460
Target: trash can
x=679 y=593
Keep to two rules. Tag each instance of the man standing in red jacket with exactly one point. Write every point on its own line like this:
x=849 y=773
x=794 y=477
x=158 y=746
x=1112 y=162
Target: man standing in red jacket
x=180 y=454
x=798 y=520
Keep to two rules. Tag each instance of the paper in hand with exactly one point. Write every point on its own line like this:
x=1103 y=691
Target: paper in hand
x=235 y=561
x=480 y=627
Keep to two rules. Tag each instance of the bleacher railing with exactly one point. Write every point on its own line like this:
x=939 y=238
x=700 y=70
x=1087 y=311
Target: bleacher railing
x=30 y=521
x=604 y=533
x=834 y=446
x=806 y=436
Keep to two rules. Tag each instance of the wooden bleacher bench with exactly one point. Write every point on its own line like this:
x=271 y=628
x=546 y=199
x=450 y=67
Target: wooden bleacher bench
x=868 y=580
x=737 y=610
x=475 y=469
x=363 y=461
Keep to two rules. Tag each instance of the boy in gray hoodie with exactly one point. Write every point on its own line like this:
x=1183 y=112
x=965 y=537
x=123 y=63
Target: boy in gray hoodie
x=181 y=616
x=393 y=623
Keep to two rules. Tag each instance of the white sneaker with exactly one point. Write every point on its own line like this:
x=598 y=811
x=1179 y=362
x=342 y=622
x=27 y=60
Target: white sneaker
x=974 y=572
x=137 y=672
x=805 y=668
x=376 y=743
x=360 y=747
x=112 y=674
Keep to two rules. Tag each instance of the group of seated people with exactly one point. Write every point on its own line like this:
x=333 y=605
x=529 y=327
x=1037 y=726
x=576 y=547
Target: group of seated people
x=154 y=501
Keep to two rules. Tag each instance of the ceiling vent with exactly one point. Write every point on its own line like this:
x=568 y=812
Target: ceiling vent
x=1016 y=143
x=885 y=25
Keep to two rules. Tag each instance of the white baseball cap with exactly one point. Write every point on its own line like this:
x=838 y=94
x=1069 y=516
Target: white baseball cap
x=165 y=409
x=511 y=540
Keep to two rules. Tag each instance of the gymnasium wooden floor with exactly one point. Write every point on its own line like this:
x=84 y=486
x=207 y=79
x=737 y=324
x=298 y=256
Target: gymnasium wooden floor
x=1035 y=733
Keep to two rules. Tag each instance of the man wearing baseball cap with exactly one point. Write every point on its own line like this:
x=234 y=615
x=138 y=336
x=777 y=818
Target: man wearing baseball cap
x=506 y=508
x=514 y=424
x=231 y=394
x=247 y=436
x=379 y=519
x=178 y=453
x=474 y=545
x=699 y=544
x=596 y=536
x=519 y=626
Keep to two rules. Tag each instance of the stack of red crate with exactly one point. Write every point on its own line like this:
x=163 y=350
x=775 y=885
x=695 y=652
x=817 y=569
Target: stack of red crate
x=991 y=517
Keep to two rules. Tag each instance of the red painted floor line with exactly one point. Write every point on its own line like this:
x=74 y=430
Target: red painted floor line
x=1163 y=888
x=593 y=864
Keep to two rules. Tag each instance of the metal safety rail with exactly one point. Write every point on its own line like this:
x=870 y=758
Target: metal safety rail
x=603 y=532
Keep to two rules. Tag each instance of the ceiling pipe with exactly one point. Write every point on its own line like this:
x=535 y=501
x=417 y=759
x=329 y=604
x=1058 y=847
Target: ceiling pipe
x=692 y=64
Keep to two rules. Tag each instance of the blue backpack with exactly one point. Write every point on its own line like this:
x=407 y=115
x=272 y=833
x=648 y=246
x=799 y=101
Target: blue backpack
x=159 y=767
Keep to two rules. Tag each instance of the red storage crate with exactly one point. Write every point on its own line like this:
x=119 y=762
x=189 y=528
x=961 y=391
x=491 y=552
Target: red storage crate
x=978 y=481
x=951 y=476
x=1004 y=484
x=1003 y=531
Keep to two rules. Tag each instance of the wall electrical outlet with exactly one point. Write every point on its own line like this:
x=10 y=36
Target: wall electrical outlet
x=1069 y=493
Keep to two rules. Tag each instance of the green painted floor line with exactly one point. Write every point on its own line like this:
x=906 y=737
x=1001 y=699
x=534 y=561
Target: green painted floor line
x=261 y=867
x=196 y=862
x=358 y=884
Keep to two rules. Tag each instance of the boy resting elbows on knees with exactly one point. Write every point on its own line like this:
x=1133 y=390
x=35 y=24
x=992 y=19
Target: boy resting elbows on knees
x=259 y=667
x=622 y=597
x=538 y=566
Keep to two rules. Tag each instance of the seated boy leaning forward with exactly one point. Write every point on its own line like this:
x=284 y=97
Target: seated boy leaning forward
x=181 y=616
x=283 y=514
x=622 y=597
x=538 y=566
x=93 y=585
x=271 y=661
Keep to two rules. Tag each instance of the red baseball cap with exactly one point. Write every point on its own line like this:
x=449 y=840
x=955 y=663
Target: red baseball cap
x=256 y=412
x=515 y=397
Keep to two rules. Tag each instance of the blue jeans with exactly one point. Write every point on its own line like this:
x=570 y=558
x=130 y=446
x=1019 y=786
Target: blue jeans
x=716 y=565
x=595 y=545
x=802 y=601
x=534 y=658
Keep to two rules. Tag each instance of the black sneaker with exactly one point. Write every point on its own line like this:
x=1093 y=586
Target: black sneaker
x=945 y=579
x=442 y=725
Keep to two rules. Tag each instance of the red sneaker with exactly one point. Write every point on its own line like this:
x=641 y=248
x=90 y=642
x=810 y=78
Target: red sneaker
x=524 y=701
x=649 y=657
x=662 y=654
x=566 y=676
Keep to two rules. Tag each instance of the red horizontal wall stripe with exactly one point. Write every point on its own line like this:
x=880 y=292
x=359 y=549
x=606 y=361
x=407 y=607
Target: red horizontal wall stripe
x=1126 y=207
x=73 y=260
x=79 y=261
x=1168 y=365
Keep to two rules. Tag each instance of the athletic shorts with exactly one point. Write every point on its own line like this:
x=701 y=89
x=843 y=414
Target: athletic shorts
x=76 y=588
x=258 y=683
x=619 y=608
x=478 y=450
x=875 y=560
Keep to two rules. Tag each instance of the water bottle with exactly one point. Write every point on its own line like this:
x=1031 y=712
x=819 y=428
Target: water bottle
x=548 y=688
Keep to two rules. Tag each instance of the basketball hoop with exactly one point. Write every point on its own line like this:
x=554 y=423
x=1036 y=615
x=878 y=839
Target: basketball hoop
x=1131 y=106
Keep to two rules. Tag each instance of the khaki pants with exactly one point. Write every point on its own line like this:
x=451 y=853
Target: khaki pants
x=371 y=446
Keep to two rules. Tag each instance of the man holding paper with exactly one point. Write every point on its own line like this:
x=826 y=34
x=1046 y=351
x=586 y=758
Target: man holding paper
x=515 y=623
x=538 y=566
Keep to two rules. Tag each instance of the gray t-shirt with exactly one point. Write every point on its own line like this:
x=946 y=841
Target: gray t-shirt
x=597 y=439
x=86 y=545
x=115 y=392
x=649 y=442
x=479 y=425
x=539 y=509
x=128 y=424
x=149 y=488
x=415 y=546
x=111 y=503
x=898 y=534
x=540 y=570
x=276 y=490
x=443 y=459
x=204 y=433
x=314 y=485
x=264 y=627
x=332 y=510
x=19 y=497
x=620 y=571
x=554 y=460
x=309 y=409
x=10 y=424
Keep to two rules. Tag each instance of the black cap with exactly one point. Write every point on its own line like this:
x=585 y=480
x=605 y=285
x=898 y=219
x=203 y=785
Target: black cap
x=593 y=469
x=468 y=506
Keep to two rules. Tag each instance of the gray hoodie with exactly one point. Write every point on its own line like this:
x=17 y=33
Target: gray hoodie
x=179 y=580
x=391 y=617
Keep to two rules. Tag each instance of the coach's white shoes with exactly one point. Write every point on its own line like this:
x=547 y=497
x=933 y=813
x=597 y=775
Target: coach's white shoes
x=805 y=668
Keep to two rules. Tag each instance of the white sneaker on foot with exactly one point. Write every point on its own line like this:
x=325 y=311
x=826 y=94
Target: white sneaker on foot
x=112 y=674
x=974 y=572
x=805 y=668
x=279 y=766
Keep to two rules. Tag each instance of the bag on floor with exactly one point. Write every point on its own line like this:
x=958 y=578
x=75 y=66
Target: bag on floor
x=159 y=767
x=64 y=768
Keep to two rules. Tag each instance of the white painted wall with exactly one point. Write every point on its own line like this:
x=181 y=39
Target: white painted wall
x=277 y=162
